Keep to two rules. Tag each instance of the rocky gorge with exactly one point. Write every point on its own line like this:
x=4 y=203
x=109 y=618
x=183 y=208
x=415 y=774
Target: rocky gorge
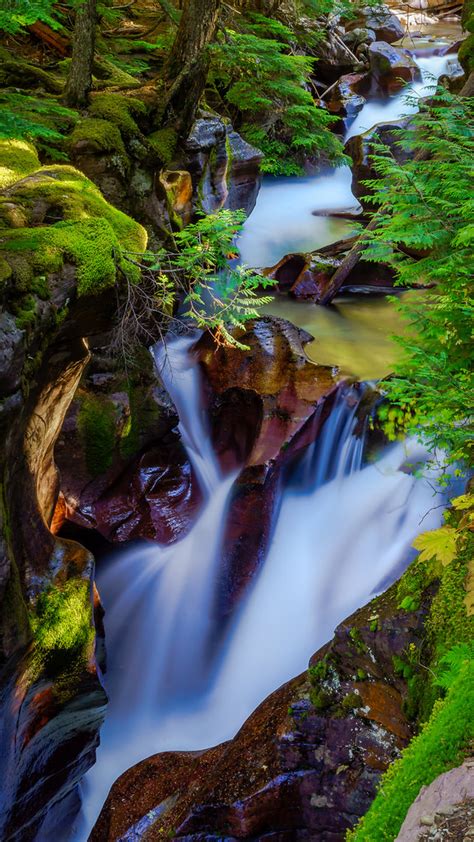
x=98 y=453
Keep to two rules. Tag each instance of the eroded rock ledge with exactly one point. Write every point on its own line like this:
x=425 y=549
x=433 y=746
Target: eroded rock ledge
x=304 y=766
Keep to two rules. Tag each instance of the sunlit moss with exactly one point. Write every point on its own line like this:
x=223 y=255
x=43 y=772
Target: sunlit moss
x=119 y=110
x=18 y=158
x=92 y=234
x=440 y=746
x=97 y=427
x=62 y=618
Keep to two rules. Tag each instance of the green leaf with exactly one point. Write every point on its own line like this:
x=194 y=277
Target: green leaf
x=439 y=543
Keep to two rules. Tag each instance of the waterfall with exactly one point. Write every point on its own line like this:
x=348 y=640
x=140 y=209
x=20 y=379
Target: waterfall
x=343 y=531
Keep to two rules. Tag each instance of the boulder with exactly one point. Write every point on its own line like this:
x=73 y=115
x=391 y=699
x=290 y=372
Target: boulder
x=304 y=766
x=391 y=68
x=361 y=147
x=157 y=498
x=448 y=803
x=347 y=97
x=225 y=169
x=265 y=401
x=380 y=20
x=124 y=472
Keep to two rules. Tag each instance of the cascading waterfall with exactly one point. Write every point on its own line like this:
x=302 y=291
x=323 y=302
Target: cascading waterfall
x=342 y=532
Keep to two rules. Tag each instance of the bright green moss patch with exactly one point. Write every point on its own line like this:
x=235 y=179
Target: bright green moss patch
x=92 y=234
x=18 y=158
x=163 y=142
x=62 y=618
x=100 y=135
x=466 y=53
x=97 y=427
x=440 y=746
x=119 y=110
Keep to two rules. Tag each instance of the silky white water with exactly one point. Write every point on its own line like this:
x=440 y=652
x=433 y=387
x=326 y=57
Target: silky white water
x=282 y=221
x=342 y=533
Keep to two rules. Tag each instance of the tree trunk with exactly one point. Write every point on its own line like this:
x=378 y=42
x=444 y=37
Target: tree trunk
x=79 y=81
x=185 y=71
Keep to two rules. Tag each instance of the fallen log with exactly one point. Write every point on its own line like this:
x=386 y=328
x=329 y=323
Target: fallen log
x=60 y=43
x=350 y=260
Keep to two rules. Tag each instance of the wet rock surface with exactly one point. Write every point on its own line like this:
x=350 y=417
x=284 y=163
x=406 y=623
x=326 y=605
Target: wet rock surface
x=225 y=169
x=381 y=21
x=305 y=765
x=307 y=276
x=134 y=480
x=391 y=67
x=265 y=403
x=361 y=147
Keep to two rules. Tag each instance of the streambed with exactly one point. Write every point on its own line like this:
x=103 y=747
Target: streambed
x=169 y=690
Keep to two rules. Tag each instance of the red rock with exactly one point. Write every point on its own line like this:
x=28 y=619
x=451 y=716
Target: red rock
x=273 y=401
x=158 y=499
x=293 y=772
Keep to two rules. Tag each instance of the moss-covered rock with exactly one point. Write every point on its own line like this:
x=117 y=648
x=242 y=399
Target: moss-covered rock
x=163 y=143
x=119 y=110
x=98 y=135
x=89 y=232
x=18 y=158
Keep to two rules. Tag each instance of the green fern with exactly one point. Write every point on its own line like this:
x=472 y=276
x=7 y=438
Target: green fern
x=265 y=87
x=15 y=15
x=426 y=208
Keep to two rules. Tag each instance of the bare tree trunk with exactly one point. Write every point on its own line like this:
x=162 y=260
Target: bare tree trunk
x=79 y=81
x=186 y=69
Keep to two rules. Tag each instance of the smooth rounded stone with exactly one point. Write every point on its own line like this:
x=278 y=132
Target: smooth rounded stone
x=391 y=67
x=446 y=793
x=384 y=23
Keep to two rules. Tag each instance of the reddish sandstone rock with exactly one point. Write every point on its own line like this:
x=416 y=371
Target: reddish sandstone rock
x=276 y=370
x=158 y=498
x=305 y=765
x=273 y=401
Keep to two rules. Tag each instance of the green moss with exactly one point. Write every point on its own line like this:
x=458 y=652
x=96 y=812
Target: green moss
x=440 y=746
x=61 y=621
x=164 y=142
x=466 y=54
x=18 y=158
x=357 y=641
x=144 y=414
x=320 y=699
x=467 y=15
x=97 y=427
x=5 y=271
x=119 y=110
x=92 y=234
x=351 y=702
x=101 y=135
x=25 y=312
x=448 y=622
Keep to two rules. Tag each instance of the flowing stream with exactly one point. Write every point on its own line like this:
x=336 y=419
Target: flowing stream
x=283 y=221
x=343 y=531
